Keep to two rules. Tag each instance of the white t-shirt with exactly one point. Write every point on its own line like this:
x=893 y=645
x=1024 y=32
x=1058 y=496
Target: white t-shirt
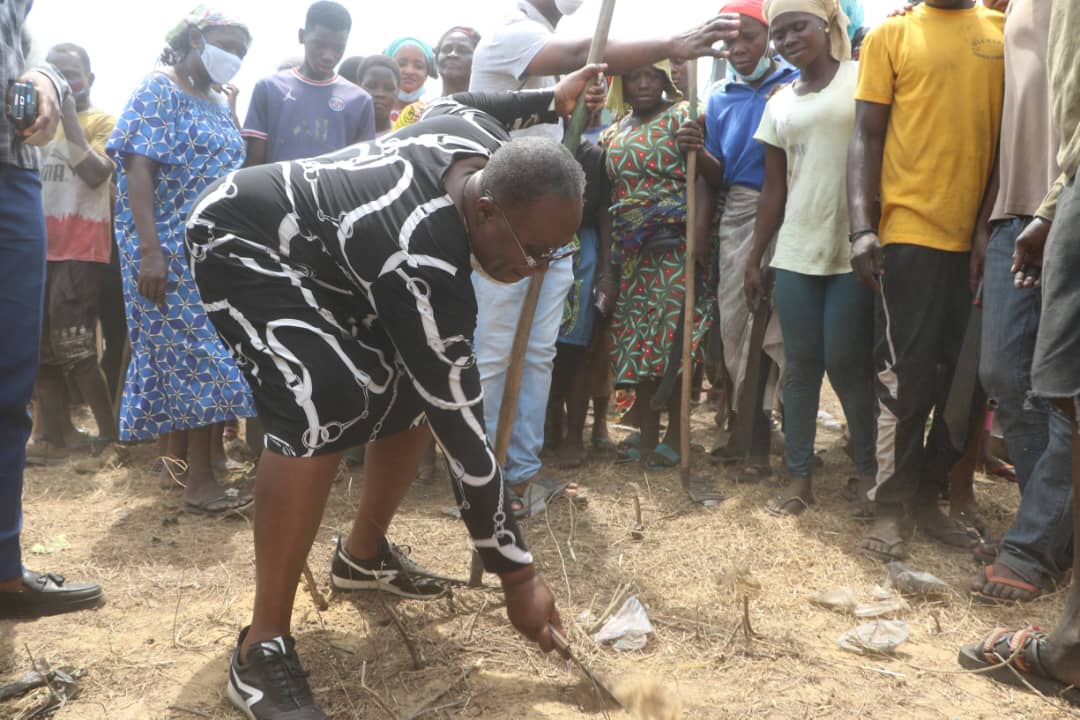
x=504 y=54
x=814 y=131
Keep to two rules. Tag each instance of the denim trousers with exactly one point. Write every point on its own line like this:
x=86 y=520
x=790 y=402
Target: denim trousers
x=1038 y=546
x=499 y=307
x=828 y=326
x=22 y=297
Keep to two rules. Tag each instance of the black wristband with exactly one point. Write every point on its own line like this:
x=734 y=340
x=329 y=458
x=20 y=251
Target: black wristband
x=859 y=233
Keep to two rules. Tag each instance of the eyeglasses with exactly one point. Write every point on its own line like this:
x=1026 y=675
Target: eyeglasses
x=545 y=258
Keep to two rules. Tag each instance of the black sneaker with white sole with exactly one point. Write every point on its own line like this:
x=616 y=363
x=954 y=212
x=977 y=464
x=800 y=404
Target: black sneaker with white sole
x=392 y=572
x=271 y=685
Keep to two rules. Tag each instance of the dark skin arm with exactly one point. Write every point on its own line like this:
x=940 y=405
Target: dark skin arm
x=607 y=279
x=770 y=214
x=564 y=55
x=981 y=237
x=864 y=188
x=691 y=138
x=153 y=271
x=256 y=152
x=93 y=169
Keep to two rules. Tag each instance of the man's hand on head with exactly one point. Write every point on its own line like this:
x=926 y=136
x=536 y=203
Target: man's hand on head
x=700 y=41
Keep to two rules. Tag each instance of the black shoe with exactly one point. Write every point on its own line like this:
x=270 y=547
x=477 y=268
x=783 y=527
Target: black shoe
x=391 y=572
x=48 y=594
x=272 y=685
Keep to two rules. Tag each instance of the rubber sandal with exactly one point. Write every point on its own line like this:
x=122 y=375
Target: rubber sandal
x=230 y=501
x=662 y=457
x=954 y=533
x=885 y=547
x=989 y=577
x=778 y=506
x=516 y=504
x=1013 y=657
x=628 y=456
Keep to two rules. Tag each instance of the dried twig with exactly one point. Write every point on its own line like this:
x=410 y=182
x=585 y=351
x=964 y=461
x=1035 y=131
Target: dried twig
x=417 y=658
x=190 y=711
x=371 y=693
x=472 y=624
x=176 y=610
x=426 y=707
x=562 y=561
x=317 y=597
x=620 y=591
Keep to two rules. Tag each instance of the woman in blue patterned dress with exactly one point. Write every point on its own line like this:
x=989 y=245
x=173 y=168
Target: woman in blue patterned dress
x=175 y=137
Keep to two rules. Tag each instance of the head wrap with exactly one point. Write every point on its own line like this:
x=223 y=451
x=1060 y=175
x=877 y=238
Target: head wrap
x=750 y=8
x=468 y=32
x=828 y=10
x=203 y=18
x=618 y=105
x=429 y=54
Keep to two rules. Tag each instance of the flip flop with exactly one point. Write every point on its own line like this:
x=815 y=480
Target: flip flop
x=779 y=506
x=662 y=457
x=628 y=456
x=1022 y=650
x=954 y=533
x=230 y=501
x=891 y=547
x=989 y=577
x=633 y=440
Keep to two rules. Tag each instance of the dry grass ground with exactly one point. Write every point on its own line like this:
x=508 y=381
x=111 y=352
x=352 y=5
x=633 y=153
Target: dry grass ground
x=180 y=587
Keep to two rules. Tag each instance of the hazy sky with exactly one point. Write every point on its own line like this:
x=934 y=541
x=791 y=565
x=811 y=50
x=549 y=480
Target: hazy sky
x=125 y=37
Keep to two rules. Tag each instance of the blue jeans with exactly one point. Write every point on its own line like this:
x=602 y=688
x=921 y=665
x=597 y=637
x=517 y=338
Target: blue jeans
x=828 y=326
x=22 y=297
x=1038 y=546
x=499 y=307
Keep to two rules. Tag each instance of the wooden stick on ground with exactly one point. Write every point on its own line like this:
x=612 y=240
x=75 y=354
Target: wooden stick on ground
x=512 y=387
x=691 y=271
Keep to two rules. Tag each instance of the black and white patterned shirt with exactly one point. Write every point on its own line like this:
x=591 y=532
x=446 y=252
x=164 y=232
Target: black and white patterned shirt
x=355 y=268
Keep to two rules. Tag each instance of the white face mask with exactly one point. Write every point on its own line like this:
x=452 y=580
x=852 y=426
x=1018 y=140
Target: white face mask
x=569 y=7
x=221 y=65
x=758 y=73
x=479 y=270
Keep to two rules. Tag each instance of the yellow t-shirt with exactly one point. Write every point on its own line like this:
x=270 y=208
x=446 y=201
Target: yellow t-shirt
x=942 y=71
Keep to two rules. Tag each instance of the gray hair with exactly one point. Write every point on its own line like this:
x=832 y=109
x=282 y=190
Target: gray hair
x=531 y=167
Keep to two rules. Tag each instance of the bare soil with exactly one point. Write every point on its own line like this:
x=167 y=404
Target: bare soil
x=180 y=587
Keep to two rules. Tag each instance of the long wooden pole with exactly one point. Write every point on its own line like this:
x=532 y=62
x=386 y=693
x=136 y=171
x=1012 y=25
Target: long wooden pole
x=520 y=345
x=691 y=260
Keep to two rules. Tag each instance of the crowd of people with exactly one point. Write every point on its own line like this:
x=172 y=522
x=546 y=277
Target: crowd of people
x=344 y=271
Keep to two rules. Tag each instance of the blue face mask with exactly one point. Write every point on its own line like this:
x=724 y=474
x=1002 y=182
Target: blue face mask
x=410 y=97
x=762 y=69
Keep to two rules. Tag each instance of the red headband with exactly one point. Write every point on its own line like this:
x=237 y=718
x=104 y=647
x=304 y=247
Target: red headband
x=750 y=8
